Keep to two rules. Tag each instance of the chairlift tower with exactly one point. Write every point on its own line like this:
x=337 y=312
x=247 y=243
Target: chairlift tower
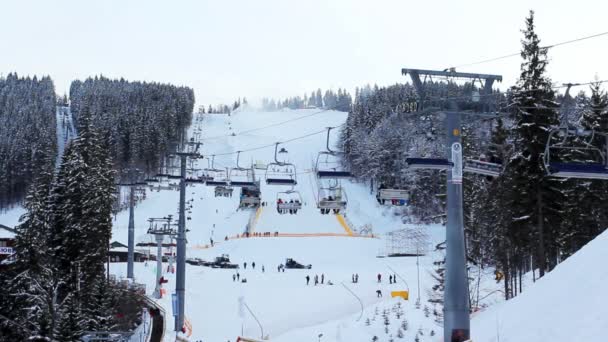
x=133 y=188
x=456 y=295
x=190 y=152
x=159 y=234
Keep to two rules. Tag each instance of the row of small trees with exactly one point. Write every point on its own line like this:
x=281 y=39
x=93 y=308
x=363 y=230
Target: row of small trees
x=340 y=100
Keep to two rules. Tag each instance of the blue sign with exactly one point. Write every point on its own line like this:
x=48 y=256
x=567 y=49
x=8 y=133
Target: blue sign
x=174 y=303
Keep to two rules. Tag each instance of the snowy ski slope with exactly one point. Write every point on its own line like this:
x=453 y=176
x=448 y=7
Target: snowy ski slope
x=282 y=302
x=568 y=304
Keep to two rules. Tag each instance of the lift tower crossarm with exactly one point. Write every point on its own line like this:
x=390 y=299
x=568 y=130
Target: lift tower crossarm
x=451 y=73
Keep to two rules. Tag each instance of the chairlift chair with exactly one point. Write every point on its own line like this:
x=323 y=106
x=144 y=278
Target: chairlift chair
x=429 y=163
x=595 y=169
x=223 y=191
x=215 y=176
x=250 y=197
x=332 y=198
x=328 y=163
x=280 y=172
x=482 y=167
x=393 y=196
x=290 y=201
x=241 y=176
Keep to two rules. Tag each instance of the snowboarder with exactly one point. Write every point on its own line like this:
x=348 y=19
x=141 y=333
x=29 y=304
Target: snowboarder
x=245 y=267
x=379 y=277
x=253 y=265
x=378 y=293
x=322 y=278
x=307 y=279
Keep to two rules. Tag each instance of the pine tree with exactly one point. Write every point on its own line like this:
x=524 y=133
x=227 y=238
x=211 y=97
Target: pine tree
x=531 y=194
x=70 y=329
x=98 y=307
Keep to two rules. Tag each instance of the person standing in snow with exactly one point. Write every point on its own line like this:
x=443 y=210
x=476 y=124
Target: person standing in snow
x=253 y=265
x=238 y=276
x=378 y=293
x=316 y=279
x=353 y=276
x=307 y=279
x=245 y=267
x=356 y=277
x=262 y=268
x=379 y=277
x=322 y=278
x=390 y=279
x=234 y=277
x=394 y=279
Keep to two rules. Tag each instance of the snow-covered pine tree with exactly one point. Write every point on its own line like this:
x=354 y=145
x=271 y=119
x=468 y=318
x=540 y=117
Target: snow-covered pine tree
x=70 y=329
x=98 y=308
x=532 y=198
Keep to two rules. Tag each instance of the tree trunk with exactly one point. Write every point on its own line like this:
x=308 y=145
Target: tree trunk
x=542 y=265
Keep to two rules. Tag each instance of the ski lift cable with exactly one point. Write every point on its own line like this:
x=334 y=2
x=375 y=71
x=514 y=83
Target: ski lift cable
x=547 y=47
x=269 y=126
x=274 y=144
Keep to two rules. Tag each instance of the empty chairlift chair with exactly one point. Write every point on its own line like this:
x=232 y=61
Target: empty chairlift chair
x=429 y=163
x=558 y=155
x=482 y=167
x=329 y=163
x=215 y=176
x=241 y=176
x=281 y=172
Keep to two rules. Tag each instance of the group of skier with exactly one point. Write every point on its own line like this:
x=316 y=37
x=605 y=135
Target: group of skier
x=292 y=209
x=316 y=279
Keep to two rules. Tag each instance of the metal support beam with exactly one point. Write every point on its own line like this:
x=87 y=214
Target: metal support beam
x=159 y=264
x=456 y=295
x=131 y=238
x=180 y=283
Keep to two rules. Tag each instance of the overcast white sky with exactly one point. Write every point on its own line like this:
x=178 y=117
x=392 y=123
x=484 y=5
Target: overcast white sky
x=254 y=48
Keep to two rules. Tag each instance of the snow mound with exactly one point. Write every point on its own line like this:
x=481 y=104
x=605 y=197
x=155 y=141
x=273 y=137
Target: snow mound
x=568 y=304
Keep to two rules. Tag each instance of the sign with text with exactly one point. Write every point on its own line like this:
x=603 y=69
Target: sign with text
x=6 y=250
